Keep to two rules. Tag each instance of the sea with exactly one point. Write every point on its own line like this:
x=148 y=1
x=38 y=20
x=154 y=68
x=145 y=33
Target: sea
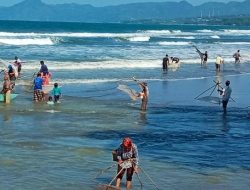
x=183 y=143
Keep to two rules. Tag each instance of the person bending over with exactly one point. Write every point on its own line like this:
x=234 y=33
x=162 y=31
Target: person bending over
x=127 y=158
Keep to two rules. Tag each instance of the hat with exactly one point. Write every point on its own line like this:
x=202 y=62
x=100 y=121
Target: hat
x=127 y=142
x=227 y=82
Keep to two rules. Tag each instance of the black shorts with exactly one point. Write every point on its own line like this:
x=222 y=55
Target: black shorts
x=129 y=174
x=224 y=103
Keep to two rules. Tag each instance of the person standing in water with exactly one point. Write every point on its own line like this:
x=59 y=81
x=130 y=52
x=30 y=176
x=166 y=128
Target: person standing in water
x=218 y=62
x=127 y=160
x=237 y=56
x=226 y=95
x=6 y=88
x=56 y=93
x=18 y=64
x=45 y=74
x=165 y=62
x=203 y=56
x=38 y=94
x=143 y=94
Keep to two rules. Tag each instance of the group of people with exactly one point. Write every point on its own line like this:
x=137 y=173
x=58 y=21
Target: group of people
x=219 y=60
x=168 y=61
x=224 y=92
x=10 y=75
x=42 y=78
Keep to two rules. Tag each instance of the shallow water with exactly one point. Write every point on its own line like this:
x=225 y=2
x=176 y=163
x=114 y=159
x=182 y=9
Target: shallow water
x=183 y=143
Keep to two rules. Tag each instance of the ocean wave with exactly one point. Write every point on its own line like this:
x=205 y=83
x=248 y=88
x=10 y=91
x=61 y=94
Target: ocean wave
x=183 y=37
x=174 y=43
x=139 y=39
x=112 y=64
x=205 y=31
x=26 y=41
x=215 y=37
x=150 y=33
x=234 y=43
x=238 y=32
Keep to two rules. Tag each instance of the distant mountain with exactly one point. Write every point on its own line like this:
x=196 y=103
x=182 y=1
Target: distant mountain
x=36 y=10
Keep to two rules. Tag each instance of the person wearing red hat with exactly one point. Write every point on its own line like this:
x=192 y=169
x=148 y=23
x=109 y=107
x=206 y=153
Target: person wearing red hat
x=127 y=158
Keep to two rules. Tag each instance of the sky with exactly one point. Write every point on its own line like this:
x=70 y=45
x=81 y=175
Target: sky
x=110 y=2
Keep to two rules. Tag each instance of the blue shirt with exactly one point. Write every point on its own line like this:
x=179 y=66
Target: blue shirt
x=38 y=83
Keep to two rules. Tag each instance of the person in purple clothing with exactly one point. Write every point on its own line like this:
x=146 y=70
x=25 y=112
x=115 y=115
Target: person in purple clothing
x=38 y=94
x=44 y=69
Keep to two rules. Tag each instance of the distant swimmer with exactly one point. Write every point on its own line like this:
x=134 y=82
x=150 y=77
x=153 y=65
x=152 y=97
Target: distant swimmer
x=203 y=56
x=175 y=59
x=165 y=62
x=226 y=95
x=218 y=62
x=237 y=56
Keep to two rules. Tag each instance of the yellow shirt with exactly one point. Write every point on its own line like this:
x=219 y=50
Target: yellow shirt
x=219 y=60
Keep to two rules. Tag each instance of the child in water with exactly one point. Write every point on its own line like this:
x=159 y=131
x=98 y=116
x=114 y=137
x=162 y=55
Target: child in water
x=56 y=93
x=50 y=101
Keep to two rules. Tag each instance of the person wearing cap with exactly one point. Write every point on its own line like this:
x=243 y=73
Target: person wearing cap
x=127 y=158
x=165 y=62
x=143 y=95
x=226 y=94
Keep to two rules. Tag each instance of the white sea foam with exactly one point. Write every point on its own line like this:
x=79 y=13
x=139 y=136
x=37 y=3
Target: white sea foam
x=139 y=39
x=149 y=33
x=215 y=37
x=234 y=43
x=237 y=32
x=28 y=41
x=113 y=64
x=205 y=31
x=174 y=43
x=183 y=37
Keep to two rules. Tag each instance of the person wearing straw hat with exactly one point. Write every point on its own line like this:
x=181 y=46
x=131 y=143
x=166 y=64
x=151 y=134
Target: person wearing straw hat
x=127 y=159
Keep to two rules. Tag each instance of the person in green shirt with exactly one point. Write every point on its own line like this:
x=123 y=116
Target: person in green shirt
x=56 y=92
